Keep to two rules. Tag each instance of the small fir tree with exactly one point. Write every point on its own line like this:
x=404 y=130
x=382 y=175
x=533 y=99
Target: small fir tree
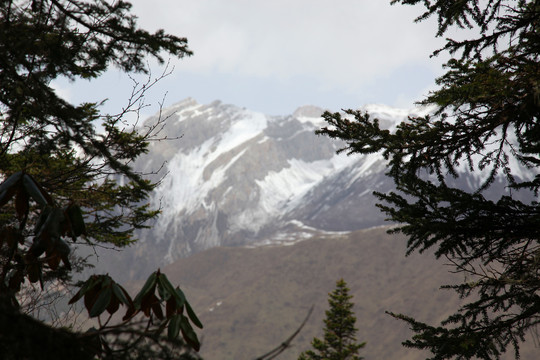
x=339 y=341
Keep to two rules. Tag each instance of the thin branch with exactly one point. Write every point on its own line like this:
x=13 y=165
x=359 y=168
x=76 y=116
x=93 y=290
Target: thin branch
x=287 y=343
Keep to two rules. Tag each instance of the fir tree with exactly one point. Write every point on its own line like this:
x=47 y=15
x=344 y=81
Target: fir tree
x=339 y=341
x=486 y=120
x=66 y=184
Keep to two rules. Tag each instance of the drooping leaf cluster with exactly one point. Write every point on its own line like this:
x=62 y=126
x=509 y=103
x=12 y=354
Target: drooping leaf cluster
x=101 y=293
x=52 y=225
x=66 y=178
x=339 y=342
x=485 y=126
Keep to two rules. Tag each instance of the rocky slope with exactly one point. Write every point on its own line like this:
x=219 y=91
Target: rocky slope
x=239 y=177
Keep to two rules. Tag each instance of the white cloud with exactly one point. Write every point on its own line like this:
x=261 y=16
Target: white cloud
x=341 y=43
x=273 y=56
x=62 y=90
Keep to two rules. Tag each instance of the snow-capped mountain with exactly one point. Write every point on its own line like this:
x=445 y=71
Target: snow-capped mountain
x=238 y=177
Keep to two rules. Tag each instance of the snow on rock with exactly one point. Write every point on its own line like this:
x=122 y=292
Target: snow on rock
x=238 y=177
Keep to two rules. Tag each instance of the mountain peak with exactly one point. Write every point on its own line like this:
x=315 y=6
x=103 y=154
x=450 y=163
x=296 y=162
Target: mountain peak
x=185 y=103
x=308 y=111
x=238 y=177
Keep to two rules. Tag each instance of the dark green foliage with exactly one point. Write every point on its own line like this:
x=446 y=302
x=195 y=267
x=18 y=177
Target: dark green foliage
x=339 y=341
x=46 y=136
x=67 y=179
x=486 y=120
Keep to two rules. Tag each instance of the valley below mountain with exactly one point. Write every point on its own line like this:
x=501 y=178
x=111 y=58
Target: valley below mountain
x=251 y=299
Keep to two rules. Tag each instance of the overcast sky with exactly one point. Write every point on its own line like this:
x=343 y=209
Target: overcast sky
x=274 y=56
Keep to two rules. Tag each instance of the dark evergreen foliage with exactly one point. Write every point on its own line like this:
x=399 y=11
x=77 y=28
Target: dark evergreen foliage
x=64 y=181
x=339 y=341
x=46 y=136
x=486 y=120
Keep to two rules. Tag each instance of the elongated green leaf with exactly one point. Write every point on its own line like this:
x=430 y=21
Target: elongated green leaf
x=189 y=334
x=49 y=234
x=106 y=279
x=33 y=271
x=87 y=285
x=170 y=307
x=10 y=181
x=157 y=310
x=62 y=247
x=33 y=190
x=130 y=312
x=39 y=245
x=120 y=295
x=166 y=283
x=103 y=300
x=148 y=285
x=77 y=296
x=54 y=222
x=174 y=327
x=180 y=299
x=180 y=293
x=46 y=195
x=91 y=296
x=194 y=319
x=113 y=305
x=162 y=292
x=42 y=218
x=147 y=302
x=21 y=204
x=52 y=225
x=6 y=195
x=75 y=216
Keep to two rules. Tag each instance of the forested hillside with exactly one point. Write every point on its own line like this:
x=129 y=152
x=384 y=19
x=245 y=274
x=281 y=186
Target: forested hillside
x=252 y=299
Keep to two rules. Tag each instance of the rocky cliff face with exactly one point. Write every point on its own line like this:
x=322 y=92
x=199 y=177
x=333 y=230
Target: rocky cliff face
x=238 y=177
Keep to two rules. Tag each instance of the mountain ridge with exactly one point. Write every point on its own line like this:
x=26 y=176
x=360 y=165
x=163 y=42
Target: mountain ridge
x=238 y=177
x=235 y=177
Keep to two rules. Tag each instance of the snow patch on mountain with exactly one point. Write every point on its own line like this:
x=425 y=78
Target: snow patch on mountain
x=281 y=191
x=188 y=186
x=239 y=177
x=244 y=129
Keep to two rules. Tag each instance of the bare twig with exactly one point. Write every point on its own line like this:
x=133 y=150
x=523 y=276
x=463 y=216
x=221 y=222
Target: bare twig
x=287 y=343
